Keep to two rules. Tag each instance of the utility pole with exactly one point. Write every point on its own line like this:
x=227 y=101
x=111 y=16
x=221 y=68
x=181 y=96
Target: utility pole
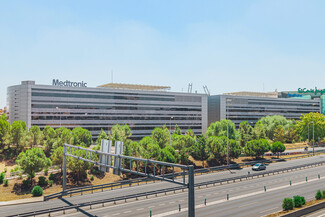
x=227 y=138
x=313 y=136
x=170 y=130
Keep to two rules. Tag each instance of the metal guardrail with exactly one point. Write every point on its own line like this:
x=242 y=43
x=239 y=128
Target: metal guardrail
x=101 y=187
x=149 y=193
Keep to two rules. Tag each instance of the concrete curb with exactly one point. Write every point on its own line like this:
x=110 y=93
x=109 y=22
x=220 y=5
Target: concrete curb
x=22 y=201
x=305 y=211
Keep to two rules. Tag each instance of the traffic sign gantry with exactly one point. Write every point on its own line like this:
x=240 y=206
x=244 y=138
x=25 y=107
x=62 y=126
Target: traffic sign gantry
x=122 y=163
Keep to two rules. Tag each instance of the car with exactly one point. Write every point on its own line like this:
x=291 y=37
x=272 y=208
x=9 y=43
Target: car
x=259 y=166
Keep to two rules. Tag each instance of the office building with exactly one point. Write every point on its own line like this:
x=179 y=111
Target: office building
x=73 y=104
x=251 y=106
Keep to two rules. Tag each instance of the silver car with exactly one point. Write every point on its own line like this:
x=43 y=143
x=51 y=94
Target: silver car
x=259 y=166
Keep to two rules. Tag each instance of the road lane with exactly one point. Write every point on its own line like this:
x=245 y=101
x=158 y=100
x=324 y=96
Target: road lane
x=218 y=193
x=15 y=209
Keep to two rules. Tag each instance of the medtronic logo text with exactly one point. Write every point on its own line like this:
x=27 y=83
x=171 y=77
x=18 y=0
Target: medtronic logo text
x=314 y=91
x=68 y=83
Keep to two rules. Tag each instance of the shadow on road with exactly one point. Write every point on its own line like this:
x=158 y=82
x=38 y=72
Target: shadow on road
x=78 y=209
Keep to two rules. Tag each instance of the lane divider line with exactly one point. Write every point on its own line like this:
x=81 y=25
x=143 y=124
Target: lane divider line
x=234 y=198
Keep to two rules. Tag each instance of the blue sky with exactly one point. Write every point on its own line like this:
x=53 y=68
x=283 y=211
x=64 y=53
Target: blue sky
x=229 y=45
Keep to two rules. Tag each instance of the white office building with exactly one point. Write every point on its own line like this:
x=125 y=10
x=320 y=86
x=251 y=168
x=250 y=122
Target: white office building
x=73 y=104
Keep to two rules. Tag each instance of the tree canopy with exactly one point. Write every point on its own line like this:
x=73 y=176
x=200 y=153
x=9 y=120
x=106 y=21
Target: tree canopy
x=32 y=161
x=219 y=128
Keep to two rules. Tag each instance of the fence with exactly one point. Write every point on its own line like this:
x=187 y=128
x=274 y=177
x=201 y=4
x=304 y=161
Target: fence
x=120 y=184
x=165 y=191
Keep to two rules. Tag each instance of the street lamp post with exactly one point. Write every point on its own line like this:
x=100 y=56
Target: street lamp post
x=227 y=143
x=308 y=132
x=247 y=131
x=313 y=136
x=227 y=135
x=170 y=130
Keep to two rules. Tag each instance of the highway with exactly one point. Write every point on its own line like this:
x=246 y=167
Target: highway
x=143 y=206
x=247 y=198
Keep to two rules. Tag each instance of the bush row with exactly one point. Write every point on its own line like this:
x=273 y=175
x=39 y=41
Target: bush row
x=289 y=203
x=298 y=201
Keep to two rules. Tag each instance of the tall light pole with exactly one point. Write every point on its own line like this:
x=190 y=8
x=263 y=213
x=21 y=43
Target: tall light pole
x=313 y=136
x=57 y=108
x=227 y=134
x=227 y=143
x=308 y=132
x=170 y=130
x=247 y=131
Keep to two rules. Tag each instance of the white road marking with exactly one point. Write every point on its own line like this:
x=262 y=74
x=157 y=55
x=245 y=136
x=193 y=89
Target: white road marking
x=231 y=198
x=162 y=204
x=247 y=204
x=269 y=210
x=140 y=209
x=126 y=211
x=151 y=207
x=116 y=213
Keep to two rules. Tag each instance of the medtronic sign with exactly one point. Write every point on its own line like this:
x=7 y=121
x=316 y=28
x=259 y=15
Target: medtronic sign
x=314 y=91
x=57 y=82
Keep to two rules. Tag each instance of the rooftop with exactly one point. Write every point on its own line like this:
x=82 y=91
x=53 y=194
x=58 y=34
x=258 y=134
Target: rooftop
x=134 y=86
x=255 y=94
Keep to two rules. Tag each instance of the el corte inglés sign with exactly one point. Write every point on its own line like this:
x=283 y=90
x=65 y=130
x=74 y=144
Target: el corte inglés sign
x=312 y=91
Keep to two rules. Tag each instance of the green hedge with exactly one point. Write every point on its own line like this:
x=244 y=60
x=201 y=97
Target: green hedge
x=319 y=195
x=299 y=201
x=287 y=204
x=37 y=191
x=42 y=181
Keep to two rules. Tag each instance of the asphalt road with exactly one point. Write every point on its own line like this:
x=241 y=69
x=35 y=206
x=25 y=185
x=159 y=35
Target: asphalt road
x=247 y=198
x=319 y=213
x=240 y=188
x=310 y=149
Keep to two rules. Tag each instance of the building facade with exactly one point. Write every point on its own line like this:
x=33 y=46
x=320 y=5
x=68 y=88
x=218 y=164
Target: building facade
x=238 y=108
x=72 y=104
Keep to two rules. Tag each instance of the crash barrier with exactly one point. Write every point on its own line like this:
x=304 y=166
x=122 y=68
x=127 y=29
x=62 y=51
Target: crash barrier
x=127 y=183
x=165 y=191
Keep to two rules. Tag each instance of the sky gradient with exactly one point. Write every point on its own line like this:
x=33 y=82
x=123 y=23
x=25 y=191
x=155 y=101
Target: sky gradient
x=230 y=45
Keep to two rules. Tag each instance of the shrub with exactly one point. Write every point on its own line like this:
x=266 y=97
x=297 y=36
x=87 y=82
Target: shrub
x=5 y=170
x=37 y=191
x=25 y=184
x=95 y=170
x=92 y=178
x=51 y=183
x=298 y=201
x=319 y=195
x=5 y=183
x=42 y=181
x=2 y=176
x=52 y=177
x=46 y=171
x=20 y=176
x=303 y=200
x=323 y=193
x=287 y=204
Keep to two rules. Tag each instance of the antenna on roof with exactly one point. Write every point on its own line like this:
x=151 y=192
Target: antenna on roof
x=206 y=90
x=189 y=89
